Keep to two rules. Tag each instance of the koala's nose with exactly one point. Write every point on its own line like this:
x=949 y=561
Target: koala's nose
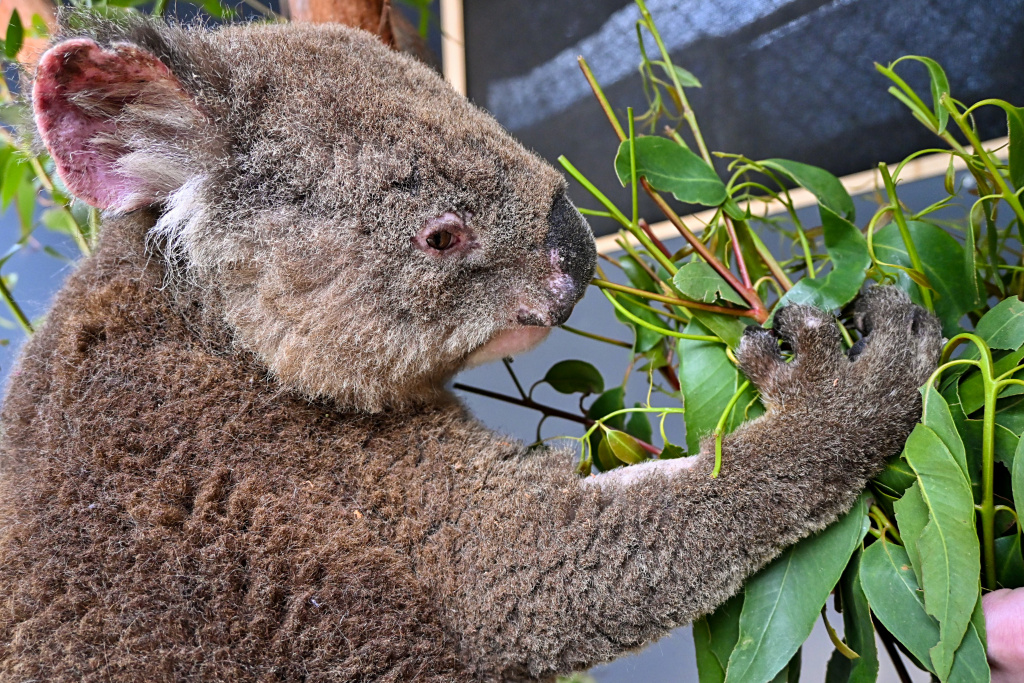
x=570 y=245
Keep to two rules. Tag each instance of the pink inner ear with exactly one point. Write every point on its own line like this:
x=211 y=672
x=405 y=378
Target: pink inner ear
x=69 y=131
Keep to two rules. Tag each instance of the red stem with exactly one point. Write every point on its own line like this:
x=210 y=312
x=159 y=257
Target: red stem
x=731 y=229
x=745 y=291
x=654 y=238
x=749 y=295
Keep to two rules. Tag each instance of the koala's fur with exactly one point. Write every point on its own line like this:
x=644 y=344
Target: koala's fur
x=228 y=454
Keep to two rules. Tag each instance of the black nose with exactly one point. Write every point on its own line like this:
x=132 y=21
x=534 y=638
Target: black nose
x=570 y=238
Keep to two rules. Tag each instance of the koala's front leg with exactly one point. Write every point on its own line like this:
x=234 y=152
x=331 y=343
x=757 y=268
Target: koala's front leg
x=550 y=574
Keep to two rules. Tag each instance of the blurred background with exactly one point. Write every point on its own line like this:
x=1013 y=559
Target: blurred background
x=780 y=78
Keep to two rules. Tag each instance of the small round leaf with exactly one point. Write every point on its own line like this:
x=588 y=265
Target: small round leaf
x=575 y=376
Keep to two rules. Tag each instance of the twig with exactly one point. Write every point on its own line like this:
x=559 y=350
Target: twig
x=547 y=411
x=654 y=238
x=643 y=293
x=740 y=263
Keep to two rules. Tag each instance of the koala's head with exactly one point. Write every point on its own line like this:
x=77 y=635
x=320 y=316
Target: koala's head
x=361 y=228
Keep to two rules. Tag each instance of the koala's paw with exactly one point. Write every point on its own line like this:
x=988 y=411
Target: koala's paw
x=899 y=350
x=901 y=342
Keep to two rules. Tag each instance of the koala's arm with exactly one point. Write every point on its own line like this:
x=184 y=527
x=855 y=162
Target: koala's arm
x=541 y=572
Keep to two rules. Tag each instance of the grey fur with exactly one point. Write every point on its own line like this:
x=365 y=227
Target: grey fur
x=238 y=461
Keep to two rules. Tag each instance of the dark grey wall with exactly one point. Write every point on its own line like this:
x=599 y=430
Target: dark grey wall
x=790 y=78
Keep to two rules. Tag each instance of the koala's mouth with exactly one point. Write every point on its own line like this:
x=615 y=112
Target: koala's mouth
x=508 y=343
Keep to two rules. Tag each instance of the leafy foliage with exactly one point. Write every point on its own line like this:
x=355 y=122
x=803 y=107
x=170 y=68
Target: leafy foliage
x=939 y=524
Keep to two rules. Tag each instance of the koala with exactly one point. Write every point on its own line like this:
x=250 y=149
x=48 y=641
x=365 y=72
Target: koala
x=229 y=454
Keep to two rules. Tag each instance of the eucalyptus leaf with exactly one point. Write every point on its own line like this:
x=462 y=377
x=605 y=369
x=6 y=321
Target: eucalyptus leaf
x=14 y=171
x=1005 y=441
x=624 y=447
x=1017 y=477
x=575 y=376
x=896 y=478
x=714 y=637
x=638 y=277
x=671 y=452
x=670 y=167
x=1003 y=326
x=686 y=79
x=895 y=598
x=15 y=36
x=943 y=547
x=936 y=415
x=645 y=338
x=607 y=403
x=945 y=268
x=728 y=328
x=1015 y=128
x=1009 y=562
x=699 y=282
x=782 y=602
x=827 y=188
x=850 y=260
x=858 y=631
x=708 y=379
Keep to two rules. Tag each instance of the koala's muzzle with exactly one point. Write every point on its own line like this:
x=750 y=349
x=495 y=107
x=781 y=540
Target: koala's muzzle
x=570 y=246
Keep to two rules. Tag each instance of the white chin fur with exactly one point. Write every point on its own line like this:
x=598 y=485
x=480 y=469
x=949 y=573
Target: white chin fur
x=508 y=343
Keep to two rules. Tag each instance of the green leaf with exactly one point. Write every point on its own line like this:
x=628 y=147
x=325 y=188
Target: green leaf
x=671 y=452
x=26 y=205
x=603 y=458
x=607 y=403
x=937 y=416
x=624 y=447
x=638 y=277
x=728 y=328
x=15 y=36
x=971 y=663
x=639 y=426
x=698 y=281
x=645 y=338
x=828 y=189
x=782 y=602
x=850 y=260
x=972 y=387
x=1017 y=478
x=1009 y=562
x=936 y=520
x=895 y=598
x=858 y=631
x=944 y=265
x=59 y=221
x=575 y=376
x=14 y=171
x=714 y=637
x=940 y=87
x=670 y=167
x=686 y=79
x=1015 y=128
x=217 y=9
x=39 y=27
x=896 y=478
x=791 y=672
x=1005 y=441
x=1003 y=326
x=708 y=379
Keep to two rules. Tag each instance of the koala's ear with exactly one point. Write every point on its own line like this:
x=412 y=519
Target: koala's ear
x=103 y=112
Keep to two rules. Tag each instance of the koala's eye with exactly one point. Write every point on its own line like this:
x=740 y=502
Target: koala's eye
x=441 y=240
x=446 y=233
